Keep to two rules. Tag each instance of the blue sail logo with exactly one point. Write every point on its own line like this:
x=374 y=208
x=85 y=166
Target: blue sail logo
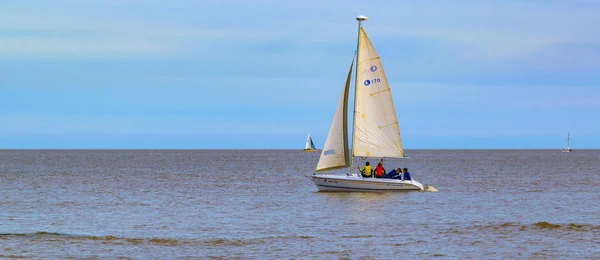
x=367 y=82
x=373 y=68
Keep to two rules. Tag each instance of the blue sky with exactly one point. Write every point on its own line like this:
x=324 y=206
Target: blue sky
x=262 y=74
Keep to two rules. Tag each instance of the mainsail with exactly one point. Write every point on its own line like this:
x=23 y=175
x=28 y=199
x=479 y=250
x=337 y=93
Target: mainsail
x=376 y=132
x=309 y=143
x=335 y=153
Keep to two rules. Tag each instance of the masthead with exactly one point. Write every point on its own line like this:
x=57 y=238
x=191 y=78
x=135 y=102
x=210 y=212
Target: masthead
x=361 y=18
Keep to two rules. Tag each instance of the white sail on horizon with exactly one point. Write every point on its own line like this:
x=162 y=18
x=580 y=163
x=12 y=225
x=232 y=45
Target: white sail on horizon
x=309 y=143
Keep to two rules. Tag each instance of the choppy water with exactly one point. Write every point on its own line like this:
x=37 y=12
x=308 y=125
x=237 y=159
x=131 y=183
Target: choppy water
x=499 y=204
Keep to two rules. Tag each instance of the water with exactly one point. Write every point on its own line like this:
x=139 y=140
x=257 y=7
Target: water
x=499 y=204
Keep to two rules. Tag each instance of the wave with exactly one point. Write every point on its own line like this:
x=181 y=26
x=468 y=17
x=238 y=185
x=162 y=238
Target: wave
x=539 y=226
x=570 y=226
x=63 y=236
x=53 y=236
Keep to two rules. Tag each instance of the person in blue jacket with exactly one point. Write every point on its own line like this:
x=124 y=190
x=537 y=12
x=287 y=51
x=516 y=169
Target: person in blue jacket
x=394 y=174
x=406 y=175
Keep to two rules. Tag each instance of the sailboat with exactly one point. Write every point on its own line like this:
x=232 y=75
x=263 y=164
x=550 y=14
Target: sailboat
x=375 y=128
x=310 y=146
x=567 y=148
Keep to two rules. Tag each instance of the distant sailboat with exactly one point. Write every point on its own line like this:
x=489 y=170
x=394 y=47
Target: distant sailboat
x=310 y=146
x=375 y=128
x=567 y=148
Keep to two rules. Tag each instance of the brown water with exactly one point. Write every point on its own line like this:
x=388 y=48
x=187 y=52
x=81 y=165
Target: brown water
x=499 y=204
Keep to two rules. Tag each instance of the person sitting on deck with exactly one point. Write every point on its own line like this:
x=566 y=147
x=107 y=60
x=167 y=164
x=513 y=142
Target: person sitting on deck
x=395 y=174
x=379 y=170
x=406 y=175
x=365 y=171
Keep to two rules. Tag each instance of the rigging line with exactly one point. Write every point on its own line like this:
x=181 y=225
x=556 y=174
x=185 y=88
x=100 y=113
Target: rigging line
x=368 y=60
x=390 y=124
x=388 y=89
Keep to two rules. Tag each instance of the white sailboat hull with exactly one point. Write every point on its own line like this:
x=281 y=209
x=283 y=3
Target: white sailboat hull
x=334 y=182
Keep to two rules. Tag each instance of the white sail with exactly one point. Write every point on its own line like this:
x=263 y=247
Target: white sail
x=335 y=153
x=376 y=132
x=309 y=143
x=568 y=140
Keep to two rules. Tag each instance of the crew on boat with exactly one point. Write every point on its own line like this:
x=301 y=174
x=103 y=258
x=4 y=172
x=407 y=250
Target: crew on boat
x=365 y=171
x=394 y=174
x=379 y=170
x=406 y=175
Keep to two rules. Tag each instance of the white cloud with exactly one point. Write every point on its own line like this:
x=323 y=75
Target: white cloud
x=59 y=124
x=62 y=34
x=464 y=38
x=508 y=97
x=75 y=48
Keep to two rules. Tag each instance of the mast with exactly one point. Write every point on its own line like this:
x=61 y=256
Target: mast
x=360 y=19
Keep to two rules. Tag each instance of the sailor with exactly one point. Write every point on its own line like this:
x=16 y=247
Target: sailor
x=395 y=174
x=379 y=170
x=365 y=171
x=406 y=175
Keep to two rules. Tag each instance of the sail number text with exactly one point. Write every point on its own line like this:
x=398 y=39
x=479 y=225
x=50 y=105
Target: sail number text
x=369 y=81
